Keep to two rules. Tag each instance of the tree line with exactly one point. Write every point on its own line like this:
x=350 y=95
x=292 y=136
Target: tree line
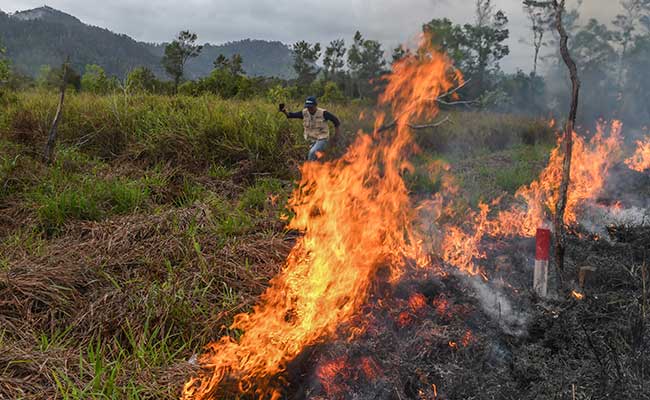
x=612 y=61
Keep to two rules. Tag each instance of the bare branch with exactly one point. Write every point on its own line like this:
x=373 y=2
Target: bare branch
x=438 y=100
x=432 y=125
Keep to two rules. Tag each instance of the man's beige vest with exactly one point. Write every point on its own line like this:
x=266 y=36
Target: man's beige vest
x=316 y=127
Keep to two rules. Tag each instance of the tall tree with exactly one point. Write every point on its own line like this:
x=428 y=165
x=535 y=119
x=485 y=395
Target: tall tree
x=178 y=52
x=234 y=64
x=485 y=41
x=367 y=63
x=334 y=59
x=539 y=19
x=305 y=56
x=475 y=48
x=237 y=64
x=559 y=7
x=448 y=38
x=636 y=99
x=626 y=25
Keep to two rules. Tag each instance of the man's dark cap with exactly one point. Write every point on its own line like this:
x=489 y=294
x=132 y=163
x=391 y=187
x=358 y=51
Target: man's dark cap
x=311 y=101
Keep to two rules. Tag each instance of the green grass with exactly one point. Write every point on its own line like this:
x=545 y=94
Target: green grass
x=260 y=194
x=491 y=174
x=86 y=198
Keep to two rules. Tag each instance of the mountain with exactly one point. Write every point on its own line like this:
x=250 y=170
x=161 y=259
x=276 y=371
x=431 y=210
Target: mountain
x=45 y=36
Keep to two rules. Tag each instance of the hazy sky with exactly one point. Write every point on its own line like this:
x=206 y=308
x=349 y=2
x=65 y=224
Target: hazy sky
x=390 y=21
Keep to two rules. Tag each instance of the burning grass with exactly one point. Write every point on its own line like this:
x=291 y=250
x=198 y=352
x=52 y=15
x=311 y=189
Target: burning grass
x=161 y=222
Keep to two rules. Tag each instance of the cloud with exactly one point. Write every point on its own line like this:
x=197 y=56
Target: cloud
x=217 y=21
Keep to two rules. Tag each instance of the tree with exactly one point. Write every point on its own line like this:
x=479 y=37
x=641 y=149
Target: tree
x=447 y=37
x=476 y=49
x=635 y=11
x=95 y=80
x=237 y=64
x=334 y=59
x=367 y=63
x=178 y=52
x=234 y=65
x=143 y=79
x=636 y=89
x=540 y=19
x=305 y=56
x=485 y=43
x=593 y=50
x=559 y=7
x=52 y=78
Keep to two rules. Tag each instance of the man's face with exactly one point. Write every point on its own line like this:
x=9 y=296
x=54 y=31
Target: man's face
x=311 y=108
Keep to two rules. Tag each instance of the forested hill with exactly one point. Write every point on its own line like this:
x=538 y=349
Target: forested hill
x=44 y=36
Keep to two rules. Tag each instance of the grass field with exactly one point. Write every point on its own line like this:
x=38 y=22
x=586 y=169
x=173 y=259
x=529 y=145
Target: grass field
x=161 y=218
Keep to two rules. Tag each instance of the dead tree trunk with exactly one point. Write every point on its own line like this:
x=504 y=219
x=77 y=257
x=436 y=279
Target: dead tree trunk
x=51 y=137
x=567 y=142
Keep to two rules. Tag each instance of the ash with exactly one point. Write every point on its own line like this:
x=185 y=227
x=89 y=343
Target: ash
x=440 y=335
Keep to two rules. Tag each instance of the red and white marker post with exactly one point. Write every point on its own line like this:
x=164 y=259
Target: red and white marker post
x=543 y=248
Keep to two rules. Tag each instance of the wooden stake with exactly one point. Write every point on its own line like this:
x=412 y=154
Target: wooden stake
x=542 y=250
x=51 y=138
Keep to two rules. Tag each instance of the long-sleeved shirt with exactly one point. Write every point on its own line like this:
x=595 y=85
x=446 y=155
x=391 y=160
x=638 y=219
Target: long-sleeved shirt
x=327 y=115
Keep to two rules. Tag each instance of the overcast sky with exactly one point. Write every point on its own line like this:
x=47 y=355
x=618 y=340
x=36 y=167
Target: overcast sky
x=217 y=21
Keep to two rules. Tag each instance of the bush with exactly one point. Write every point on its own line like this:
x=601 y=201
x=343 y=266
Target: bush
x=332 y=93
x=94 y=80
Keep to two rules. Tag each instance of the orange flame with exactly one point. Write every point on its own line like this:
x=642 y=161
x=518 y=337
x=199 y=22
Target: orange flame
x=591 y=163
x=640 y=161
x=356 y=217
x=577 y=295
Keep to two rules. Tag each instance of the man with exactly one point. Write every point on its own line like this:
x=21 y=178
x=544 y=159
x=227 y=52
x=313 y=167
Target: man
x=314 y=120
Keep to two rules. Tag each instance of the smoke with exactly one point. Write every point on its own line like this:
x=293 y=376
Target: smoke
x=497 y=305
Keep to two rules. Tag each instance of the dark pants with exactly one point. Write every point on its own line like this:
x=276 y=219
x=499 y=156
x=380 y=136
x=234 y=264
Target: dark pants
x=317 y=150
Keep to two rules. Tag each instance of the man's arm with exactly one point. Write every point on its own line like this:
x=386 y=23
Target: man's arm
x=333 y=119
x=290 y=115
x=293 y=115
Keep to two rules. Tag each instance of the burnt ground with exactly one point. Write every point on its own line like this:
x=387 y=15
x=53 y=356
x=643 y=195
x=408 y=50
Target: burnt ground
x=445 y=336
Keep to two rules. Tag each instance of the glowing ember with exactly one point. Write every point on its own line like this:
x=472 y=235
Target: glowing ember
x=467 y=339
x=370 y=368
x=577 y=295
x=417 y=302
x=328 y=373
x=640 y=161
x=355 y=216
x=441 y=304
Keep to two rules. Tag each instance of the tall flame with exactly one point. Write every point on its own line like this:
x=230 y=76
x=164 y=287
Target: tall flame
x=355 y=216
x=591 y=163
x=640 y=161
